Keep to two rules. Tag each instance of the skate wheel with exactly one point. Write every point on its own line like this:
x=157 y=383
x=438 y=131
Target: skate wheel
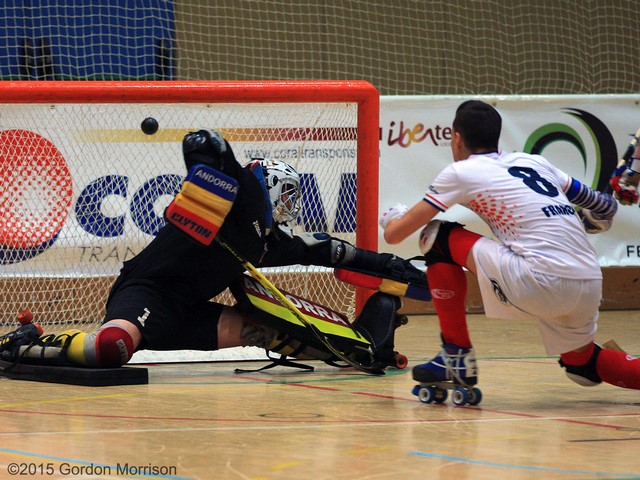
x=440 y=395
x=426 y=394
x=475 y=396
x=460 y=397
x=401 y=360
x=402 y=320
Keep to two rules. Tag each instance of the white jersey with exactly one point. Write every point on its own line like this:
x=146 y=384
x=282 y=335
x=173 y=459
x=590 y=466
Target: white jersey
x=521 y=197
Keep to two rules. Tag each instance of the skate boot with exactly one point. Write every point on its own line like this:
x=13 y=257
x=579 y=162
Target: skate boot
x=454 y=368
x=11 y=342
x=27 y=333
x=377 y=323
x=45 y=350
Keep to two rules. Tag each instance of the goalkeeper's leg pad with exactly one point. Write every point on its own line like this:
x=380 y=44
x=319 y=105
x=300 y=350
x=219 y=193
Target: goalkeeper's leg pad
x=284 y=341
x=288 y=346
x=259 y=335
x=377 y=322
x=274 y=328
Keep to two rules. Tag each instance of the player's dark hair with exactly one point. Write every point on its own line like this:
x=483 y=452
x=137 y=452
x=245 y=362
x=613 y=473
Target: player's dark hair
x=479 y=124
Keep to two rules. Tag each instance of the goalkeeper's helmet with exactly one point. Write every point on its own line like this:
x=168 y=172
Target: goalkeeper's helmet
x=283 y=185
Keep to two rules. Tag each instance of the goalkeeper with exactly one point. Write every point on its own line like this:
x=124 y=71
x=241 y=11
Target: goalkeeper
x=161 y=299
x=541 y=268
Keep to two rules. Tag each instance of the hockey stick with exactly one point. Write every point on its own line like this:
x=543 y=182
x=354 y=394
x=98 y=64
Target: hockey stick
x=624 y=194
x=633 y=143
x=280 y=297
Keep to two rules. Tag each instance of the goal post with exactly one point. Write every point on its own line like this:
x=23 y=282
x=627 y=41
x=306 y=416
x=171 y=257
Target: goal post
x=84 y=188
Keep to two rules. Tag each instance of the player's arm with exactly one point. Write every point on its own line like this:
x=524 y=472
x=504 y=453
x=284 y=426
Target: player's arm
x=598 y=208
x=399 y=222
x=324 y=250
x=320 y=249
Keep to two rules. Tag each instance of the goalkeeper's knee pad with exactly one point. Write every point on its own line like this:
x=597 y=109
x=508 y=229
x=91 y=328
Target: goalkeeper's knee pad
x=111 y=346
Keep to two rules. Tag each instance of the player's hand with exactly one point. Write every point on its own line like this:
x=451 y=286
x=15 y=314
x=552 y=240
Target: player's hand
x=593 y=222
x=624 y=183
x=397 y=211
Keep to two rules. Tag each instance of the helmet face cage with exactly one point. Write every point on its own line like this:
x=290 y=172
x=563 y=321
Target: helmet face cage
x=283 y=185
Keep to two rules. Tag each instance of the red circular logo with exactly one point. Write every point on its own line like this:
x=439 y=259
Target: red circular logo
x=35 y=194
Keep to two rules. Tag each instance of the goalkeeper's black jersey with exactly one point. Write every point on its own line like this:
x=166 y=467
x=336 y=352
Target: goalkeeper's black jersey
x=179 y=267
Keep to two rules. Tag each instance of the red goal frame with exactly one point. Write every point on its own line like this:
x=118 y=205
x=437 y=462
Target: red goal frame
x=363 y=93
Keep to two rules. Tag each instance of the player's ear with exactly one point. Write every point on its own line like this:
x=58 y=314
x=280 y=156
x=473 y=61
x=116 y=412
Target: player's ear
x=457 y=145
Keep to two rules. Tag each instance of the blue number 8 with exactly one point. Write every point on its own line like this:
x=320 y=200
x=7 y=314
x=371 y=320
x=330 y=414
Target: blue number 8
x=534 y=181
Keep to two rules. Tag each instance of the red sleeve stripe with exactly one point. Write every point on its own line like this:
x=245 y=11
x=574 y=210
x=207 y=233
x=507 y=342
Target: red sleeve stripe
x=439 y=205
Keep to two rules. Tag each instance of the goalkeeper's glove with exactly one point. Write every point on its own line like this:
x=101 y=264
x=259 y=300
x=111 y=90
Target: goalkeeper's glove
x=397 y=211
x=595 y=222
x=624 y=182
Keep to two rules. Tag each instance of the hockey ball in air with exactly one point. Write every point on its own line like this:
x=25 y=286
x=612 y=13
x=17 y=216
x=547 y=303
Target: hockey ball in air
x=149 y=125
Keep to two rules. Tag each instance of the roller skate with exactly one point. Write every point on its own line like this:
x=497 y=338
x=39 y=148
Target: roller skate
x=454 y=368
x=377 y=323
x=27 y=333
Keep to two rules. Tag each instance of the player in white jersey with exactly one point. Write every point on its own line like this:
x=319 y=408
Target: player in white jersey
x=541 y=267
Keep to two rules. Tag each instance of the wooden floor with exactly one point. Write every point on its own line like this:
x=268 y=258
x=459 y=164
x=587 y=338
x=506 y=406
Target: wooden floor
x=203 y=421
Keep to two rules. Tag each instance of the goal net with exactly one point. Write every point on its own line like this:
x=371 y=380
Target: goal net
x=83 y=188
x=404 y=47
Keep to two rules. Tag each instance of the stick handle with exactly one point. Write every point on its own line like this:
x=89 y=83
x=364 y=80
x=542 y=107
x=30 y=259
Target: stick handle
x=632 y=147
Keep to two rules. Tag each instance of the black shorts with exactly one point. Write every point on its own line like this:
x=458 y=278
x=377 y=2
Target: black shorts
x=165 y=322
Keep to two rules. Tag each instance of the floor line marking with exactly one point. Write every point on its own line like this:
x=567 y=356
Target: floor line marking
x=521 y=467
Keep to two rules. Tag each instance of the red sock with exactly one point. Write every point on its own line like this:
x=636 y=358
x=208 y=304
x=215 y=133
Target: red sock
x=619 y=369
x=448 y=285
x=578 y=358
x=460 y=242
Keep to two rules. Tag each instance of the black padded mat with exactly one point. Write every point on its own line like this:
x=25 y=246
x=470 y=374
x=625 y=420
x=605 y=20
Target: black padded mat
x=71 y=375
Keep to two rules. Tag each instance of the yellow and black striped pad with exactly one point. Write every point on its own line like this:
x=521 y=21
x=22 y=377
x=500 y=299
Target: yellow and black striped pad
x=381 y=284
x=203 y=203
x=326 y=320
